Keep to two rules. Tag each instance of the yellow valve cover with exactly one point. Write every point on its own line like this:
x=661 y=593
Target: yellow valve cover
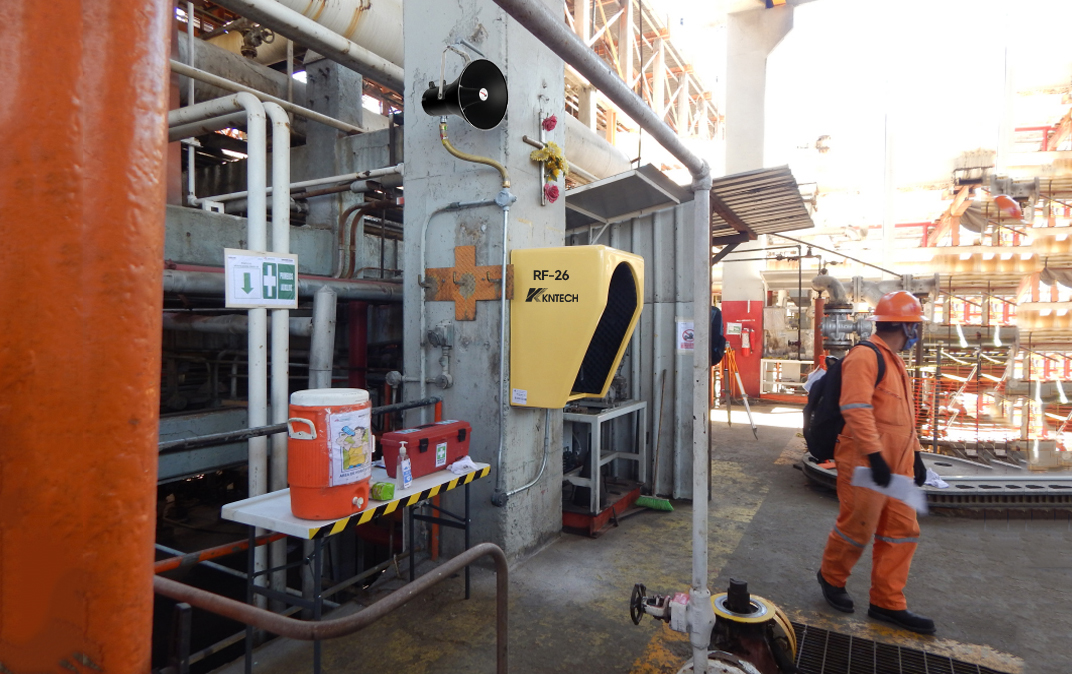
x=573 y=312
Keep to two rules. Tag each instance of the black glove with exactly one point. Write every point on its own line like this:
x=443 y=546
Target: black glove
x=921 y=470
x=880 y=470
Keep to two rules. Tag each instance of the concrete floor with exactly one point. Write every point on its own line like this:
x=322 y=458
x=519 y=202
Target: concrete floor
x=998 y=589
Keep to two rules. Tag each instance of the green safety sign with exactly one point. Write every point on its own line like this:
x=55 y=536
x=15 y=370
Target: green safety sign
x=279 y=281
x=255 y=280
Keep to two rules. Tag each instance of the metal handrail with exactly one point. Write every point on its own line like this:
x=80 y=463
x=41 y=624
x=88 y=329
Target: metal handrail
x=339 y=627
x=217 y=439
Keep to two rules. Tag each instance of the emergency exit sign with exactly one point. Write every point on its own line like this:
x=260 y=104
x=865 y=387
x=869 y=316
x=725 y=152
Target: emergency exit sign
x=260 y=280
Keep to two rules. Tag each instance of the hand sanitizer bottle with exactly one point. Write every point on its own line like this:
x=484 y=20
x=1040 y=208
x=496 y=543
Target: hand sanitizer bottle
x=403 y=471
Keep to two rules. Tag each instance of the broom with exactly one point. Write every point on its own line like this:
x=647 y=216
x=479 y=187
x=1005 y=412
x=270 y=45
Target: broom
x=654 y=502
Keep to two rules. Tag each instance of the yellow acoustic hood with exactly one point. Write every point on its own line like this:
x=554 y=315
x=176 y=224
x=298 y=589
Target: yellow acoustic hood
x=571 y=317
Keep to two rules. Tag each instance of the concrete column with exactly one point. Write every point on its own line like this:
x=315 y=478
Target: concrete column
x=582 y=19
x=751 y=37
x=658 y=82
x=434 y=179
x=587 y=103
x=627 y=43
x=82 y=195
x=337 y=92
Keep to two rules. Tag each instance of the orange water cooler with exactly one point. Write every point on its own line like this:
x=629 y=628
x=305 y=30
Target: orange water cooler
x=329 y=453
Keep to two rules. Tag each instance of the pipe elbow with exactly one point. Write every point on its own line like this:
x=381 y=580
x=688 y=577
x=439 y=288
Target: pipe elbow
x=829 y=284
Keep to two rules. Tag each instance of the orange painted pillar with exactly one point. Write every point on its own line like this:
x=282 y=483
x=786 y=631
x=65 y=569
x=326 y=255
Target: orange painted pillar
x=82 y=193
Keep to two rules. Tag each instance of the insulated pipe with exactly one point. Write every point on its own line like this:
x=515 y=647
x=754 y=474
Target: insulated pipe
x=257 y=340
x=833 y=287
x=209 y=78
x=547 y=26
x=400 y=169
x=277 y=551
x=83 y=103
x=375 y=25
x=227 y=325
x=217 y=107
x=591 y=152
x=327 y=43
x=211 y=282
x=322 y=346
x=236 y=68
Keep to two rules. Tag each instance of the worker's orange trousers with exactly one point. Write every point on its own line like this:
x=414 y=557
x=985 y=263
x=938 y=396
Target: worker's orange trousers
x=864 y=513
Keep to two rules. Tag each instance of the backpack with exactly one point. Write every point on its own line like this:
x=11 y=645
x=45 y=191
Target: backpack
x=718 y=340
x=822 y=415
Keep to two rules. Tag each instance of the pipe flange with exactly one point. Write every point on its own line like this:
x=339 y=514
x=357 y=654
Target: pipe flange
x=763 y=610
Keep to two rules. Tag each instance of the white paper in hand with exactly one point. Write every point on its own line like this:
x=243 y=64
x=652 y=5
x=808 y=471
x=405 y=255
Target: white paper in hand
x=902 y=488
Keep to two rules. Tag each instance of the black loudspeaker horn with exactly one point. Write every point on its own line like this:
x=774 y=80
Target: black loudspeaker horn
x=479 y=96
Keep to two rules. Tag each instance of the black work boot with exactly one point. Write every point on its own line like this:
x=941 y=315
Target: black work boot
x=836 y=596
x=905 y=618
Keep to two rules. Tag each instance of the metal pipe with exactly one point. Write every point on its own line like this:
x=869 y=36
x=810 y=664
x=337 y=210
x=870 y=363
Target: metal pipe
x=198 y=282
x=344 y=178
x=303 y=30
x=191 y=196
x=348 y=235
x=187 y=559
x=702 y=617
x=322 y=346
x=546 y=451
x=257 y=340
x=229 y=437
x=199 y=112
x=218 y=439
x=306 y=630
x=502 y=363
x=548 y=27
x=224 y=83
x=236 y=324
x=476 y=159
x=201 y=128
x=280 y=346
x=832 y=286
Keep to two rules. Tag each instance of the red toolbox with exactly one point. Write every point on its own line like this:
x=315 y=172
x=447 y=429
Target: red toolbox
x=429 y=448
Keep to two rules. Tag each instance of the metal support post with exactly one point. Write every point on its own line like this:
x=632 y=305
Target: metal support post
x=180 y=638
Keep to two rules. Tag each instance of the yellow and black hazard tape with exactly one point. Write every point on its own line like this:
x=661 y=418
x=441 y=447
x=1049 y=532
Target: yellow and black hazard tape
x=389 y=507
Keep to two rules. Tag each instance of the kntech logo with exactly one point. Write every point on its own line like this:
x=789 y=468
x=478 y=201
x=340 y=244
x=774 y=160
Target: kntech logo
x=541 y=295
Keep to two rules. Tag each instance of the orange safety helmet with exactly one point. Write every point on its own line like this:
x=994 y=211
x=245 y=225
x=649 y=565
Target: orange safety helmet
x=898 y=307
x=1008 y=207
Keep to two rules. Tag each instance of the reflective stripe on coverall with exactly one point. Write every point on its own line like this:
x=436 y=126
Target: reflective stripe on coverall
x=877 y=419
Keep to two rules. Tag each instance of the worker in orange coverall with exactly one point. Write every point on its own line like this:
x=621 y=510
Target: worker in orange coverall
x=879 y=433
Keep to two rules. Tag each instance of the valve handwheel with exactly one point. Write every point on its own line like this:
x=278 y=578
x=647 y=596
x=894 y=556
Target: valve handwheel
x=636 y=603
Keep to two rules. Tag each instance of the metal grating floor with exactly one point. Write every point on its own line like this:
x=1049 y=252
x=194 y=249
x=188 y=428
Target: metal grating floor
x=824 y=652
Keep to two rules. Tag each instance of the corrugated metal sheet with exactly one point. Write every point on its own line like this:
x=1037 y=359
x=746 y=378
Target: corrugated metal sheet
x=747 y=204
